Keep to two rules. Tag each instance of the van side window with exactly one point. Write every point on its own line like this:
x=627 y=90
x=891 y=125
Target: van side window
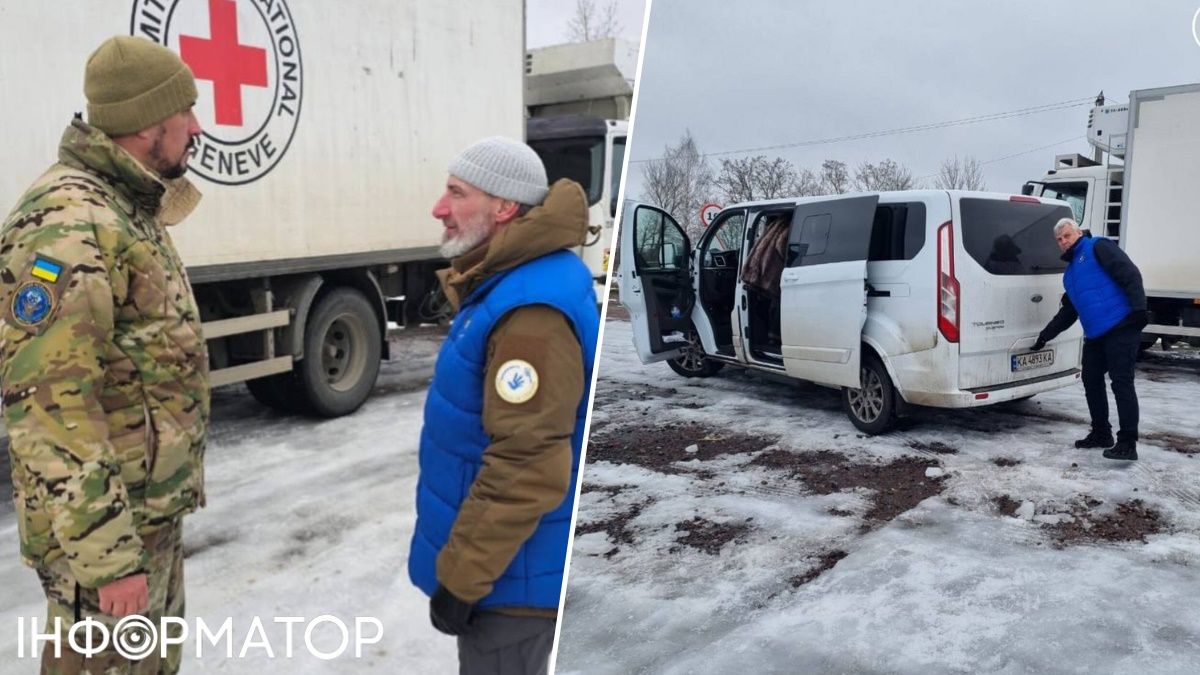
x=898 y=232
x=810 y=239
x=659 y=244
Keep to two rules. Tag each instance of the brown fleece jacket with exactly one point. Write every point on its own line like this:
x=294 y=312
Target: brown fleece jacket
x=526 y=470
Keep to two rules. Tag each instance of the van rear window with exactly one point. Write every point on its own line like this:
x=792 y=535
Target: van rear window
x=1012 y=238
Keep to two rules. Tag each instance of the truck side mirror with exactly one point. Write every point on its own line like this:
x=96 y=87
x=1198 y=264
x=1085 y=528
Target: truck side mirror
x=1027 y=189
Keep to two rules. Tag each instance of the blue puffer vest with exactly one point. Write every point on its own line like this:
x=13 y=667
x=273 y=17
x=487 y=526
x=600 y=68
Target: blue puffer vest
x=453 y=438
x=1098 y=299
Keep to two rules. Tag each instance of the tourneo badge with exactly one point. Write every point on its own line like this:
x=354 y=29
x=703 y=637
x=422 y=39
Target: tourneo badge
x=517 y=381
x=245 y=55
x=32 y=303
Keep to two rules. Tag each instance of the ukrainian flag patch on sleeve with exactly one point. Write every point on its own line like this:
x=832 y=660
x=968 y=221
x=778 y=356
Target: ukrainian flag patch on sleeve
x=45 y=269
x=32 y=305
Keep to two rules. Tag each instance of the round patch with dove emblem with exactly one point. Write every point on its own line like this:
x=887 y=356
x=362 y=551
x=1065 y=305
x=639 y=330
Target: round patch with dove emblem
x=516 y=381
x=32 y=303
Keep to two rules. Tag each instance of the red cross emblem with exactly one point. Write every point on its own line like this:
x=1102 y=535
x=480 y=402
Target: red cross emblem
x=221 y=59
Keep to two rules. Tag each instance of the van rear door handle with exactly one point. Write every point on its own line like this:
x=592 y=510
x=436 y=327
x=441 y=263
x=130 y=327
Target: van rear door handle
x=872 y=292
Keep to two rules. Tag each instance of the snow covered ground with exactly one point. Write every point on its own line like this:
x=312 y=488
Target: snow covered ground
x=304 y=518
x=736 y=524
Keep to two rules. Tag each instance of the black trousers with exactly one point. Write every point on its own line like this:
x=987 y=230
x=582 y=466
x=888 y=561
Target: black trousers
x=1114 y=353
x=498 y=644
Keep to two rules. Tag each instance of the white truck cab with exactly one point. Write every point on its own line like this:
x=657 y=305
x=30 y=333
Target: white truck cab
x=590 y=151
x=578 y=97
x=1137 y=190
x=919 y=297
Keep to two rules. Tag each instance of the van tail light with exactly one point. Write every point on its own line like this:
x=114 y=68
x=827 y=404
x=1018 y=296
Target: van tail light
x=949 y=297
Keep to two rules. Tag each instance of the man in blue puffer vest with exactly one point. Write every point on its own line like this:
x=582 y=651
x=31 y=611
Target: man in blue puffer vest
x=1105 y=293
x=504 y=417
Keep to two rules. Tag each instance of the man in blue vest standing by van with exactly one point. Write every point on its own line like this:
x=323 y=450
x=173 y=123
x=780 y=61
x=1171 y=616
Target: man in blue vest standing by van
x=1105 y=293
x=504 y=417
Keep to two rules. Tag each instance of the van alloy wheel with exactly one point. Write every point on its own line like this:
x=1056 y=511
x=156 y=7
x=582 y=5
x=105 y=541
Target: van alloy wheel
x=692 y=357
x=693 y=362
x=872 y=406
x=867 y=401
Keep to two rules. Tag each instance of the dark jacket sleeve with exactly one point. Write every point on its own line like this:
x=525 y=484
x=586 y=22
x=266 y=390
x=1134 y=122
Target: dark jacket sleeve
x=1120 y=268
x=1066 y=317
x=526 y=469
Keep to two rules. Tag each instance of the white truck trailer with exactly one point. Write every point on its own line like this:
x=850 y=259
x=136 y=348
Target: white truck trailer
x=1138 y=189
x=328 y=127
x=578 y=96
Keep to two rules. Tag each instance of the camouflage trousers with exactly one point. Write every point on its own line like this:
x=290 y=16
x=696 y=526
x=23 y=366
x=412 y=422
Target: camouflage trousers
x=70 y=602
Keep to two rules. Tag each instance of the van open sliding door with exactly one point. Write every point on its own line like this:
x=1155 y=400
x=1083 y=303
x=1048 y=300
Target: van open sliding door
x=824 y=296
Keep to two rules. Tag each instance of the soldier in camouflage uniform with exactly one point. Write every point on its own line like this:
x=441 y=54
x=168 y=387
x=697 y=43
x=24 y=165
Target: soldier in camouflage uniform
x=102 y=362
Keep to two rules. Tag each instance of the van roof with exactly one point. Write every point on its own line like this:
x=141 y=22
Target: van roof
x=891 y=196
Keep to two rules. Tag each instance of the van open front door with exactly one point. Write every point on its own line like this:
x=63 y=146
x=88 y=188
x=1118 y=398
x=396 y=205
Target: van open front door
x=656 y=281
x=823 y=289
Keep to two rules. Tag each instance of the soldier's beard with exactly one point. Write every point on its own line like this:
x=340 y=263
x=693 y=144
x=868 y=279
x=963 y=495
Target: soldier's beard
x=166 y=168
x=471 y=233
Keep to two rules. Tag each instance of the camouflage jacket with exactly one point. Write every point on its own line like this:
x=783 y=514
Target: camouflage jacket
x=103 y=365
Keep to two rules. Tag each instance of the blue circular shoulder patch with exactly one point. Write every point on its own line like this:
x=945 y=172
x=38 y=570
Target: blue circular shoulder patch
x=32 y=303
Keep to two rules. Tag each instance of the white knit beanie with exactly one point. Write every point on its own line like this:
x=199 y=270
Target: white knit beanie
x=503 y=168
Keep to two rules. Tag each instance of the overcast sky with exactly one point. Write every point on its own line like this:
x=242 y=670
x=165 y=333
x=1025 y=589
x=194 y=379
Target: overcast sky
x=762 y=72
x=546 y=20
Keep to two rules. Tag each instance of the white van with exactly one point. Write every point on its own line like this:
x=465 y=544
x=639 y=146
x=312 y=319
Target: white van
x=922 y=297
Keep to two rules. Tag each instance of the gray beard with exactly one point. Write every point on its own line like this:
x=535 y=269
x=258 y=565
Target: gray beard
x=466 y=241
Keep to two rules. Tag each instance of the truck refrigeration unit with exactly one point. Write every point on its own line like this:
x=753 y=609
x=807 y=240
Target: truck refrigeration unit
x=327 y=131
x=1137 y=189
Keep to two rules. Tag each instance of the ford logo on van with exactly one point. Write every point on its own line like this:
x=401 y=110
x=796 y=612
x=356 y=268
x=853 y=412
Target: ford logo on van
x=1037 y=298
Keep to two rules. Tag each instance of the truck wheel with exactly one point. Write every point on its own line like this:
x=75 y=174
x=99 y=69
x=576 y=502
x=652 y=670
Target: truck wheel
x=342 y=347
x=871 y=407
x=693 y=362
x=277 y=392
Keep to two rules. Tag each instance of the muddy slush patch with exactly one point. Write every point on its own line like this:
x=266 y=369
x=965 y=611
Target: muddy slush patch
x=708 y=536
x=1006 y=505
x=824 y=563
x=1130 y=521
x=610 y=490
x=1185 y=445
x=617 y=527
x=659 y=448
x=896 y=486
x=936 y=447
x=1005 y=462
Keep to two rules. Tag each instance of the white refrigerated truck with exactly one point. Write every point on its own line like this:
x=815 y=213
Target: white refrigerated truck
x=578 y=96
x=1139 y=188
x=328 y=127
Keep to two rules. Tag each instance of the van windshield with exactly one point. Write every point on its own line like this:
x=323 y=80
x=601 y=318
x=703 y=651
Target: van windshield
x=1012 y=238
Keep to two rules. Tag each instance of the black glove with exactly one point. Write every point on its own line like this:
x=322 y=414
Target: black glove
x=449 y=614
x=1038 y=345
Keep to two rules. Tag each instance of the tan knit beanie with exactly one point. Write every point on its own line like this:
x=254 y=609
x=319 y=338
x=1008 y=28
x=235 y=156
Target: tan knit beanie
x=132 y=83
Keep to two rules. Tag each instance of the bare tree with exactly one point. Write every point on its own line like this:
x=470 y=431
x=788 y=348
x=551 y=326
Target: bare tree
x=960 y=174
x=593 y=23
x=754 y=178
x=886 y=175
x=807 y=184
x=834 y=178
x=680 y=182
